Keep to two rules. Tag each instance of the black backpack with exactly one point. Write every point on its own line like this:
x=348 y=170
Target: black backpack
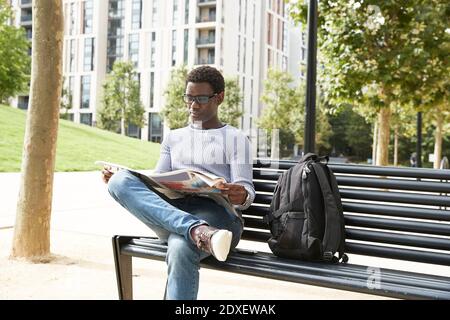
x=306 y=219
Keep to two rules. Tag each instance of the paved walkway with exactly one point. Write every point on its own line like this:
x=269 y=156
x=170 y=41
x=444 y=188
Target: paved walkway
x=84 y=219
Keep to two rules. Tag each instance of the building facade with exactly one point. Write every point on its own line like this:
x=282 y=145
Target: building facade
x=242 y=38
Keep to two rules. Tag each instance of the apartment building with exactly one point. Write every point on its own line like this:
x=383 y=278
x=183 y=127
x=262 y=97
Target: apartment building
x=242 y=38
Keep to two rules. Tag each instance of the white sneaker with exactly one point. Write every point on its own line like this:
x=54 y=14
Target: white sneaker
x=220 y=244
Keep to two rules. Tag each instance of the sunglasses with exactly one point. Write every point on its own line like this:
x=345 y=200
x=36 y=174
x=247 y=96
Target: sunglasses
x=199 y=99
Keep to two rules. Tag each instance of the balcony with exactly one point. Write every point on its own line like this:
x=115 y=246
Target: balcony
x=26 y=19
x=210 y=60
x=207 y=3
x=210 y=18
x=26 y=3
x=206 y=42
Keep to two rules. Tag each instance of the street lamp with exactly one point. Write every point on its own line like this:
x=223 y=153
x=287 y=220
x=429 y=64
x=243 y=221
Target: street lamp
x=310 y=110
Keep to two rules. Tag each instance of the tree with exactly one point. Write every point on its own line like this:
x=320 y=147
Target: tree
x=284 y=110
x=14 y=59
x=32 y=228
x=174 y=112
x=121 y=99
x=374 y=53
x=230 y=110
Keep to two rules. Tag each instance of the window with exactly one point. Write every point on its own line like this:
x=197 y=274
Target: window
x=115 y=36
x=269 y=29
x=175 y=13
x=88 y=54
x=116 y=9
x=152 y=89
x=88 y=13
x=86 y=118
x=174 y=47
x=85 y=92
x=186 y=46
x=136 y=14
x=115 y=27
x=72 y=56
x=152 y=49
x=239 y=54
x=155 y=130
x=155 y=13
x=72 y=18
x=245 y=16
x=245 y=54
x=186 y=12
x=133 y=49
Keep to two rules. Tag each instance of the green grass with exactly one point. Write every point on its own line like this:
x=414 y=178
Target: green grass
x=78 y=146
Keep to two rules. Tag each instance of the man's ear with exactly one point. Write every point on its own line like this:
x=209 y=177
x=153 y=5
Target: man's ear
x=220 y=97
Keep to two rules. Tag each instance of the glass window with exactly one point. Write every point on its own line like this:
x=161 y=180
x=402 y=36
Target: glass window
x=86 y=118
x=88 y=12
x=155 y=130
x=152 y=89
x=72 y=18
x=72 y=56
x=186 y=45
x=155 y=13
x=88 y=54
x=153 y=50
x=85 y=92
x=116 y=8
x=175 y=13
x=174 y=47
x=133 y=49
x=136 y=14
x=186 y=12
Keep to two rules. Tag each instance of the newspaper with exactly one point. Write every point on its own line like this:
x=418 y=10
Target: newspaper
x=179 y=183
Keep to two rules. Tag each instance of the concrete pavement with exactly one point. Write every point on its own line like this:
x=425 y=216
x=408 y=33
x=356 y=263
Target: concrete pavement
x=85 y=218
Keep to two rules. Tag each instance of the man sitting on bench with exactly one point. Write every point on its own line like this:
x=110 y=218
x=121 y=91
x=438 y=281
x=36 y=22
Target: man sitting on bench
x=194 y=227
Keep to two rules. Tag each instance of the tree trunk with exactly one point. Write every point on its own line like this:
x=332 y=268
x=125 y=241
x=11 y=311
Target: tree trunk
x=275 y=145
x=384 y=117
x=375 y=140
x=396 y=146
x=438 y=142
x=122 y=123
x=32 y=228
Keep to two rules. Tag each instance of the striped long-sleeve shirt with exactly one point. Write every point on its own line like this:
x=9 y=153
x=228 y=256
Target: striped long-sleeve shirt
x=224 y=152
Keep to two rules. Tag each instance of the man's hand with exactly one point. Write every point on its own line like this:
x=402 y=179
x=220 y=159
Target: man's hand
x=236 y=193
x=107 y=173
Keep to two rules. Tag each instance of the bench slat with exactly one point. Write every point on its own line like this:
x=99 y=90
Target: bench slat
x=398 y=225
x=398 y=197
x=397 y=211
x=398 y=239
x=398 y=253
x=363 y=169
x=368 y=182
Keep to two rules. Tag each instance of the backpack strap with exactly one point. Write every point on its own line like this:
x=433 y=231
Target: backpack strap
x=337 y=196
x=332 y=237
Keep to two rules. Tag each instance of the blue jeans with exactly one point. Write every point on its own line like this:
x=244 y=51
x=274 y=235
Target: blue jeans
x=172 y=220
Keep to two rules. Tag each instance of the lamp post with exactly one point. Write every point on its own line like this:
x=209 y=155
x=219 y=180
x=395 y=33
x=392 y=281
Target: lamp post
x=310 y=110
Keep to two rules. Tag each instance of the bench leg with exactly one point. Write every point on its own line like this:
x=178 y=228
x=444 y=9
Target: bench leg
x=124 y=268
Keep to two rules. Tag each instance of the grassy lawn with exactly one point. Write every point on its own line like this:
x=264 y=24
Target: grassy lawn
x=78 y=146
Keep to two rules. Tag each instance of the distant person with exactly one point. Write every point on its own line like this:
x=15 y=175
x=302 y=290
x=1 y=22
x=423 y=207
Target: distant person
x=413 y=159
x=194 y=227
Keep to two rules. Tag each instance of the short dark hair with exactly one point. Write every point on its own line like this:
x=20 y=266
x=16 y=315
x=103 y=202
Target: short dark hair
x=207 y=74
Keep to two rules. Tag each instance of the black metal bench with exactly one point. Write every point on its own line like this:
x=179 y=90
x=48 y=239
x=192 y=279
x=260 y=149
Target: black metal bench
x=395 y=213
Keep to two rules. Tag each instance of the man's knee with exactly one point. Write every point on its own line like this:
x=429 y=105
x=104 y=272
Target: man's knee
x=118 y=182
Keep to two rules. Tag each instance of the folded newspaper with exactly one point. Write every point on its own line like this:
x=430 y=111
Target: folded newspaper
x=178 y=183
